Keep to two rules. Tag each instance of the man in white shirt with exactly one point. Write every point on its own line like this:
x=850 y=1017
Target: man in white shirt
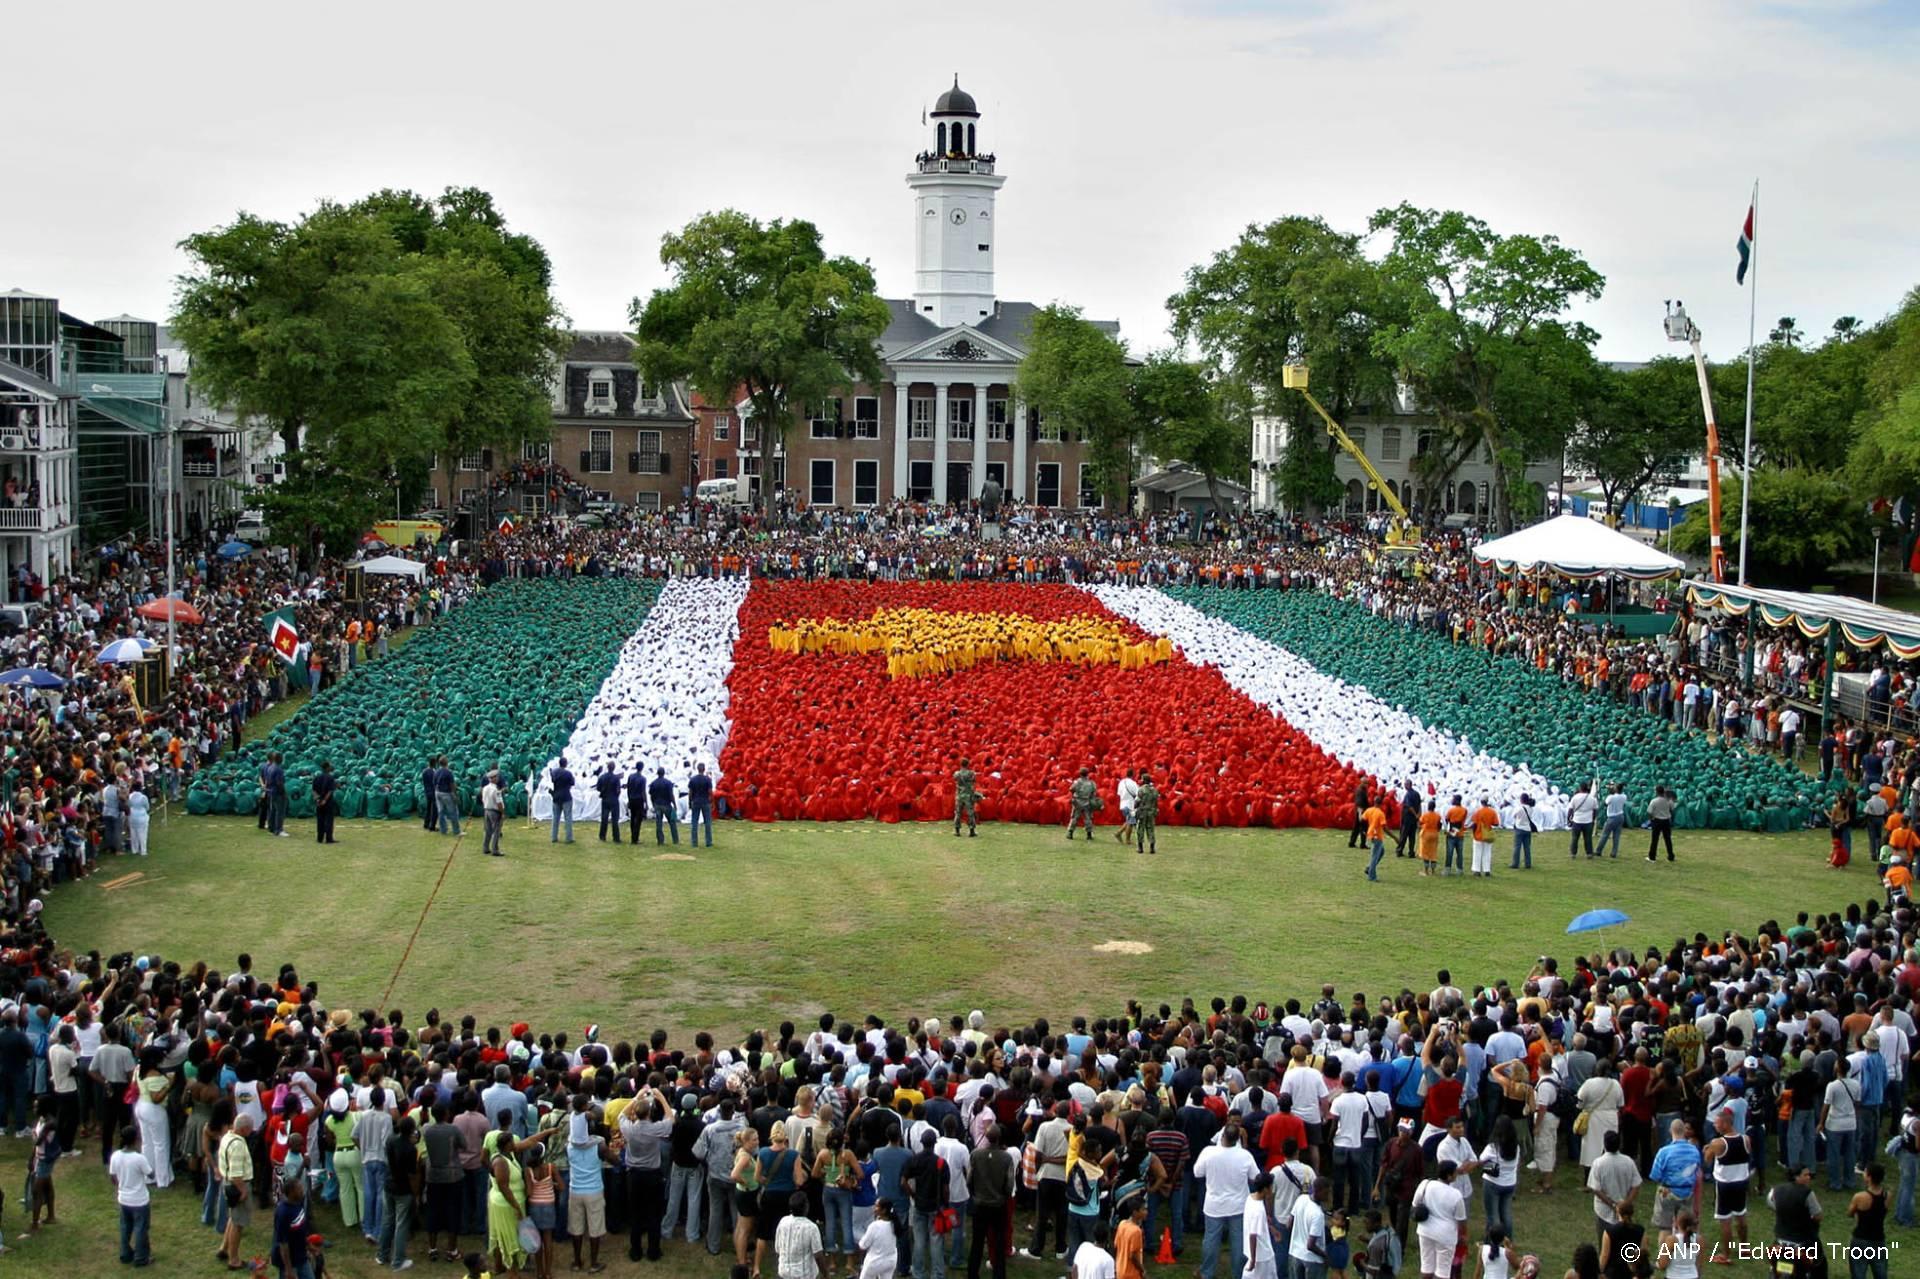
x=1445 y=1225
x=1455 y=1149
x=796 y=1241
x=1091 y=1261
x=1352 y=1120
x=131 y=1174
x=493 y=812
x=1128 y=792
x=1307 y=1240
x=1228 y=1171
x=1580 y=814
x=1256 y=1230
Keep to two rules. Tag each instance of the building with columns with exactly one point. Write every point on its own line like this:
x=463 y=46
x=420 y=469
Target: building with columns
x=946 y=420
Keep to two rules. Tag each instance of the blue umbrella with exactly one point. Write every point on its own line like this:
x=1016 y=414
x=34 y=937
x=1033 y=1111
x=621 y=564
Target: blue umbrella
x=37 y=676
x=123 y=650
x=235 y=550
x=1595 y=919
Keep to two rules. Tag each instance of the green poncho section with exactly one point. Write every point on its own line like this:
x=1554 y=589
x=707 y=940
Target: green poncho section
x=498 y=683
x=1521 y=714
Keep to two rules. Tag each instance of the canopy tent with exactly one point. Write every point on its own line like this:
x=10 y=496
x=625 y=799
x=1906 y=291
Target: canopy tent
x=393 y=566
x=1861 y=624
x=1573 y=546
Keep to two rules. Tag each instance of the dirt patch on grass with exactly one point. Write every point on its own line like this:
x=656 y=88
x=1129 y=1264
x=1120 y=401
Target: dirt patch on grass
x=1123 y=948
x=675 y=857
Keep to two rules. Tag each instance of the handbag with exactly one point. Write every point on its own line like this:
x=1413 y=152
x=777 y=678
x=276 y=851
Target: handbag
x=1581 y=1122
x=529 y=1236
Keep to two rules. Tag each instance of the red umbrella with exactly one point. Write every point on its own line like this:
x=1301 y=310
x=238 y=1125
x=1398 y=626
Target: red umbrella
x=181 y=611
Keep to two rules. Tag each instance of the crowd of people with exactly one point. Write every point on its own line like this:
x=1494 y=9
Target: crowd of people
x=1326 y=1131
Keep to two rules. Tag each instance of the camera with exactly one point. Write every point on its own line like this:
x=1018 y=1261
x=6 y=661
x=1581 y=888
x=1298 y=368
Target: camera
x=123 y=959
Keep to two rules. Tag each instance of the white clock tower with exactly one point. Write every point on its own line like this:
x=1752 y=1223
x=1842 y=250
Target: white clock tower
x=953 y=184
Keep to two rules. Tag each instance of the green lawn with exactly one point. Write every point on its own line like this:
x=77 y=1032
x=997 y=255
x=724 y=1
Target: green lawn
x=782 y=921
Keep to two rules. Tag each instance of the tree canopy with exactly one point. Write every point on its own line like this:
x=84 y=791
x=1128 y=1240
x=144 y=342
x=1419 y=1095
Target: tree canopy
x=760 y=310
x=371 y=336
x=1078 y=376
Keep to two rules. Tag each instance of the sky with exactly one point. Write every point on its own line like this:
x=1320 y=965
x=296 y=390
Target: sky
x=1137 y=138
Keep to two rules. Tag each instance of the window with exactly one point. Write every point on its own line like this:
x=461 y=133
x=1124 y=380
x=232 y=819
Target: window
x=920 y=423
x=749 y=434
x=866 y=482
x=533 y=503
x=647 y=394
x=920 y=481
x=997 y=421
x=1089 y=494
x=646 y=501
x=720 y=468
x=722 y=425
x=599 y=452
x=535 y=452
x=750 y=464
x=1359 y=436
x=820 y=481
x=601 y=391
x=1044 y=431
x=472 y=462
x=825 y=420
x=468 y=496
x=1046 y=484
x=866 y=417
x=960 y=420
x=649 y=453
x=1390 y=444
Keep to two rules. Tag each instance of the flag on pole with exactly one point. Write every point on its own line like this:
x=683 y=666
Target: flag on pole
x=1746 y=248
x=284 y=638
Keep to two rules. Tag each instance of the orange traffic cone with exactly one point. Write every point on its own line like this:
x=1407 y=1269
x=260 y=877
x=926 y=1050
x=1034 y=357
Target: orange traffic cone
x=1165 y=1256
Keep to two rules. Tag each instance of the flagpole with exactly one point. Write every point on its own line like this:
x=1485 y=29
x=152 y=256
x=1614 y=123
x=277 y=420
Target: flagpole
x=1746 y=448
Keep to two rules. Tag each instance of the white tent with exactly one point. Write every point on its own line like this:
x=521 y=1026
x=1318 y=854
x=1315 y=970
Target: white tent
x=1574 y=546
x=393 y=566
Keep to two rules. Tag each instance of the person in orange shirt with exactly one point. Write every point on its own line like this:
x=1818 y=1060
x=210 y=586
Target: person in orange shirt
x=1903 y=841
x=1898 y=879
x=1429 y=839
x=1456 y=837
x=1376 y=819
x=1485 y=820
x=1130 y=1239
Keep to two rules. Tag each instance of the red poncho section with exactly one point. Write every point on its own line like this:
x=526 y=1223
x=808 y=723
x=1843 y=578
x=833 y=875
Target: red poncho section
x=831 y=738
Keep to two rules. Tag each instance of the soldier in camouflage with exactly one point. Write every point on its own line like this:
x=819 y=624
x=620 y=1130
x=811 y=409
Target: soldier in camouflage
x=1085 y=799
x=1146 y=806
x=966 y=800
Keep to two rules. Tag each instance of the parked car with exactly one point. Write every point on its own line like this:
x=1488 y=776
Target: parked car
x=252 y=528
x=15 y=618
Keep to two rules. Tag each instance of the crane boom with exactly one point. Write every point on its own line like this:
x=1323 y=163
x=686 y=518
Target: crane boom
x=1682 y=329
x=1401 y=532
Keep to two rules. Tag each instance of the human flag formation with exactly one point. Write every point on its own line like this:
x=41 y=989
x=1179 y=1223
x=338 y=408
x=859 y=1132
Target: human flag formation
x=1746 y=247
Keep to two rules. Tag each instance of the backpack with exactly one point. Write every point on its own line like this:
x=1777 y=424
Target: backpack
x=1079 y=1185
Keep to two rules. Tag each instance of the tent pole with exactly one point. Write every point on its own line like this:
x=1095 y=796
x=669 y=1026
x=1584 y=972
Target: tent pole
x=1826 y=676
x=1746 y=665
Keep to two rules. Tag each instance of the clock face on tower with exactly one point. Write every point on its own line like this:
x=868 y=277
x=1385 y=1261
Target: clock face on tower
x=958 y=216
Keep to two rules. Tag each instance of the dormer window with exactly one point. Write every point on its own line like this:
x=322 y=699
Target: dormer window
x=600 y=391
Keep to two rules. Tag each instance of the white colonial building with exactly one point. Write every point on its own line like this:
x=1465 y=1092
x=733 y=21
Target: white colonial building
x=946 y=419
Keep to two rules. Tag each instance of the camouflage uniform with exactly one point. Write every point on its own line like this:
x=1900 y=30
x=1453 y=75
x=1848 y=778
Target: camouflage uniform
x=966 y=801
x=1146 y=805
x=1085 y=798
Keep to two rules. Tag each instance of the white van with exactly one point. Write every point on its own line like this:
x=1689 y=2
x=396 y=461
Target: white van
x=252 y=528
x=731 y=491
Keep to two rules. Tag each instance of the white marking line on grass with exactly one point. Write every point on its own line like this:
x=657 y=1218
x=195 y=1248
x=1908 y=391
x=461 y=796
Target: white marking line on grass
x=665 y=703
x=1123 y=948
x=1345 y=720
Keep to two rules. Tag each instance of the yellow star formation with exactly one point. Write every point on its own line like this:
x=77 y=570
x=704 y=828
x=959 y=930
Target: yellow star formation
x=919 y=642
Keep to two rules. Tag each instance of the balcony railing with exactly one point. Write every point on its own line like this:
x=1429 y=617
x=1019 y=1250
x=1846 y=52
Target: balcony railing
x=930 y=163
x=25 y=519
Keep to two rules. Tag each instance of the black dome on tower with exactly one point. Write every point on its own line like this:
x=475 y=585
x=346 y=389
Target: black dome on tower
x=955 y=101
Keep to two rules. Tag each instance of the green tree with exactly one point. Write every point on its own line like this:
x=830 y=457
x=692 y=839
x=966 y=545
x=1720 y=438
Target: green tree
x=1639 y=428
x=1477 y=328
x=1803 y=522
x=1292 y=291
x=372 y=336
x=1786 y=330
x=1185 y=412
x=1847 y=327
x=1885 y=459
x=760 y=310
x=1078 y=376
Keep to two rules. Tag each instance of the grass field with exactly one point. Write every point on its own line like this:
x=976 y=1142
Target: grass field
x=786 y=921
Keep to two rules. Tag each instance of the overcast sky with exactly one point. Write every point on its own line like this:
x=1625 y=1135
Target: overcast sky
x=1137 y=138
